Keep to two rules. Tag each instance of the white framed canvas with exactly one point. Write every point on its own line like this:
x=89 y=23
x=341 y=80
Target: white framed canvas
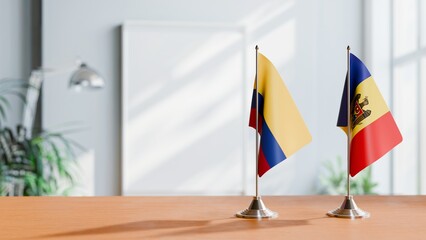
x=184 y=109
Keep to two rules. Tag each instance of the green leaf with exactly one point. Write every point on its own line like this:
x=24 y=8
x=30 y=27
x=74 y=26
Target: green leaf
x=30 y=180
x=4 y=101
x=2 y=113
x=333 y=180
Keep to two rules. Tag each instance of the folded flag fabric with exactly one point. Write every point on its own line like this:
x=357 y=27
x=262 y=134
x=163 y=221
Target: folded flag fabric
x=374 y=131
x=281 y=127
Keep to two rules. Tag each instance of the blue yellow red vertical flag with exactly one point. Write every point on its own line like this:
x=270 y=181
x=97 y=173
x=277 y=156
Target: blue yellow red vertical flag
x=373 y=129
x=281 y=127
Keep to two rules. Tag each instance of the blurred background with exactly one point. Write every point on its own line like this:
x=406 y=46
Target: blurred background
x=172 y=116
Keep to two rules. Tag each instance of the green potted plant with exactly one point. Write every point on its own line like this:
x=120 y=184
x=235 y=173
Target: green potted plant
x=334 y=176
x=33 y=166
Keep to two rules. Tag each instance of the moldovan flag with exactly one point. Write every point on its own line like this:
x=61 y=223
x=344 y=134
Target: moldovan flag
x=374 y=131
x=281 y=128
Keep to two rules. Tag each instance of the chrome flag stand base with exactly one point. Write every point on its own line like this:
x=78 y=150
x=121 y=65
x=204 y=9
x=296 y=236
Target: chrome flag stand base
x=349 y=209
x=257 y=209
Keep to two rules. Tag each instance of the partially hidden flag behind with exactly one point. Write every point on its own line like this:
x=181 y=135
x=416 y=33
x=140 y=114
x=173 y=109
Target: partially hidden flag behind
x=281 y=127
x=374 y=131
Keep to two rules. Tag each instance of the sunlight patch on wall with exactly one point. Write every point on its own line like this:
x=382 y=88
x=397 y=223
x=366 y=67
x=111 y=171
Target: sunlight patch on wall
x=184 y=120
x=406 y=117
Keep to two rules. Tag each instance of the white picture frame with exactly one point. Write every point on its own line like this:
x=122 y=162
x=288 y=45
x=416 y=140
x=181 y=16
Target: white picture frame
x=184 y=105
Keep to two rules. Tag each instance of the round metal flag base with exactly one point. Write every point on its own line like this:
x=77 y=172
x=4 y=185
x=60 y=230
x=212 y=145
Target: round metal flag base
x=257 y=209
x=349 y=209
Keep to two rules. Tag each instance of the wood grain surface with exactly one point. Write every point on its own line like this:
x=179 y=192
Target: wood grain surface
x=300 y=217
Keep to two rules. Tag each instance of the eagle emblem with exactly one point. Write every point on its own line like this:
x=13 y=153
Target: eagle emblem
x=358 y=113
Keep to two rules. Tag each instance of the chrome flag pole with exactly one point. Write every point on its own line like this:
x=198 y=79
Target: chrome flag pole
x=348 y=209
x=257 y=208
x=257 y=127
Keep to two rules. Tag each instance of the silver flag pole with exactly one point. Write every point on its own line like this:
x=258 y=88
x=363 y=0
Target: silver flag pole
x=257 y=208
x=348 y=209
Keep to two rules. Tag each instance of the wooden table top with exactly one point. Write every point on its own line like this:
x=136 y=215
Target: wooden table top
x=300 y=217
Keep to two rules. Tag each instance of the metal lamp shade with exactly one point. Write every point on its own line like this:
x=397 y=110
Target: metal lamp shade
x=86 y=77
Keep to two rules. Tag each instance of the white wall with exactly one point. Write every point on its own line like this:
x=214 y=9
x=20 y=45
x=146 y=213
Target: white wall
x=15 y=48
x=378 y=57
x=391 y=29
x=305 y=39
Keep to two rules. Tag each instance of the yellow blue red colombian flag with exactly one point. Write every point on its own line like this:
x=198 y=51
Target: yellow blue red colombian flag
x=281 y=126
x=374 y=131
